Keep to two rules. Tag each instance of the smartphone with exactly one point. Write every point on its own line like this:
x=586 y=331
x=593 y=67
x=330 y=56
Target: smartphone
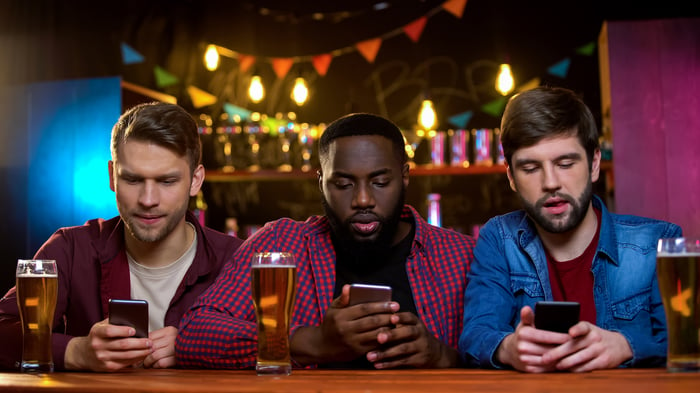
x=132 y=313
x=556 y=316
x=365 y=293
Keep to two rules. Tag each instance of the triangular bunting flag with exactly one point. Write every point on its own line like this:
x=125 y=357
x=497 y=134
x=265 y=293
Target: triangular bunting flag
x=245 y=61
x=461 y=120
x=234 y=111
x=282 y=66
x=587 y=49
x=368 y=49
x=495 y=107
x=321 y=63
x=130 y=56
x=200 y=97
x=455 y=7
x=414 y=29
x=164 y=78
x=529 y=85
x=560 y=69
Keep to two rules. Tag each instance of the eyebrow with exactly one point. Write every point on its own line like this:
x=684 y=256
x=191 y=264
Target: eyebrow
x=568 y=156
x=126 y=173
x=376 y=173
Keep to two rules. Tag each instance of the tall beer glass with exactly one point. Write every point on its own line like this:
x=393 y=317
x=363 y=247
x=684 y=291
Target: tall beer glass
x=678 y=270
x=37 y=286
x=274 y=287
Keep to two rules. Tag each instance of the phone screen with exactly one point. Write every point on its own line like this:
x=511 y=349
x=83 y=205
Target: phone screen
x=130 y=312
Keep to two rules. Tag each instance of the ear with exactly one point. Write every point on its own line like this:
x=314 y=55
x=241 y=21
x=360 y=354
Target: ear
x=197 y=180
x=595 y=166
x=510 y=178
x=110 y=168
x=404 y=174
x=319 y=173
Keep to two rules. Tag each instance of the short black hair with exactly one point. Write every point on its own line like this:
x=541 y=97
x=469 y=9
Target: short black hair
x=356 y=124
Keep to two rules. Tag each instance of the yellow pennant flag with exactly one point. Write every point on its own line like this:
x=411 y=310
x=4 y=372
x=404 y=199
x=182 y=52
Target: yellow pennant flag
x=200 y=97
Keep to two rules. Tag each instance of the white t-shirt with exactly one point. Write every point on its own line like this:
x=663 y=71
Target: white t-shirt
x=158 y=285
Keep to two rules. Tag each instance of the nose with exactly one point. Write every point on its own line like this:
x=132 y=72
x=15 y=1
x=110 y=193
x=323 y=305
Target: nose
x=550 y=179
x=363 y=197
x=149 y=194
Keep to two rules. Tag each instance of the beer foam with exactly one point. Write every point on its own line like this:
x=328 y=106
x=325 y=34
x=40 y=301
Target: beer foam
x=272 y=266
x=683 y=254
x=38 y=275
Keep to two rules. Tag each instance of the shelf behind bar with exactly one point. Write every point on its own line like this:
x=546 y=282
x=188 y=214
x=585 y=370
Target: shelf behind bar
x=220 y=176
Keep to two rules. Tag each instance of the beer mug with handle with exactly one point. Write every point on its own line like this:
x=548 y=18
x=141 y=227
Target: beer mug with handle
x=37 y=287
x=273 y=288
x=678 y=271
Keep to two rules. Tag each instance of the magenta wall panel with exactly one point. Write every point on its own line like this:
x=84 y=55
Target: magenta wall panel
x=655 y=118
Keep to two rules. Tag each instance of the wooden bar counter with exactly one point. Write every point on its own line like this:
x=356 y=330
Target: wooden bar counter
x=327 y=381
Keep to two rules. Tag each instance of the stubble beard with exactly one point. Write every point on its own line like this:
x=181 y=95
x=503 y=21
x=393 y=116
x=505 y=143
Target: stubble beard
x=579 y=207
x=153 y=235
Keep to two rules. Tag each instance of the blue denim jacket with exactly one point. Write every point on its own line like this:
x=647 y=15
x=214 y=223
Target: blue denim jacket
x=509 y=271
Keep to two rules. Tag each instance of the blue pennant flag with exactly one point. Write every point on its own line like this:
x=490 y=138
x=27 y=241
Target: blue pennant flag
x=130 y=56
x=561 y=68
x=234 y=110
x=461 y=120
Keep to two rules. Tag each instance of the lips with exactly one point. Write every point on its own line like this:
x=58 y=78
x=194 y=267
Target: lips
x=555 y=206
x=365 y=224
x=148 y=219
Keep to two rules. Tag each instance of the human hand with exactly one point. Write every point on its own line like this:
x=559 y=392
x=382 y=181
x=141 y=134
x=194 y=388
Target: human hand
x=591 y=349
x=106 y=348
x=346 y=333
x=410 y=344
x=524 y=348
x=163 y=355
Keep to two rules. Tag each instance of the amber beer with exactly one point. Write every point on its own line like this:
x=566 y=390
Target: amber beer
x=679 y=281
x=274 y=288
x=37 y=287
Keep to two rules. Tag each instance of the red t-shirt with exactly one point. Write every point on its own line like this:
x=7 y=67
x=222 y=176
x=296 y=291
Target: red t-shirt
x=573 y=280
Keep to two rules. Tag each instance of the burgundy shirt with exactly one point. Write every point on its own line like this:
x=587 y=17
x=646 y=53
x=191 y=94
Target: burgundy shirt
x=92 y=268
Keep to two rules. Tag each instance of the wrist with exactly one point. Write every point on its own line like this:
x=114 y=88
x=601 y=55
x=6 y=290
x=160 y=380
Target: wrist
x=72 y=357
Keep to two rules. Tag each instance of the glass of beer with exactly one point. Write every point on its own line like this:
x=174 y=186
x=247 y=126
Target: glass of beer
x=274 y=287
x=678 y=270
x=37 y=286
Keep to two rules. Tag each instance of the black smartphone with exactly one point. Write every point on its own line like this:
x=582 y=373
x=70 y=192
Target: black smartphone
x=556 y=316
x=365 y=293
x=132 y=313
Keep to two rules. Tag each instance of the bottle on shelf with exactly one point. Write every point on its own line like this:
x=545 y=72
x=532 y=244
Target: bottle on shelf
x=434 y=214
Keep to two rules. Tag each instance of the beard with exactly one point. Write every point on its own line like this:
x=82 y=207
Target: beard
x=365 y=251
x=152 y=235
x=579 y=207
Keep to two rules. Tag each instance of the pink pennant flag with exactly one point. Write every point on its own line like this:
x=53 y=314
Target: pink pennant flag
x=368 y=49
x=414 y=29
x=245 y=61
x=455 y=7
x=282 y=66
x=321 y=63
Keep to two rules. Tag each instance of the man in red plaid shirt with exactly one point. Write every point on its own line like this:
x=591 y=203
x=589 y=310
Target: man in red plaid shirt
x=367 y=235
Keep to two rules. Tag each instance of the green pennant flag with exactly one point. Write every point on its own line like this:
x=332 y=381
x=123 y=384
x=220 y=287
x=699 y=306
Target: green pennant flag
x=587 y=49
x=495 y=107
x=164 y=78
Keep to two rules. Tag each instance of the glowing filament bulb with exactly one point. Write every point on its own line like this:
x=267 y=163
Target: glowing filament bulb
x=426 y=118
x=504 y=81
x=211 y=58
x=300 y=92
x=256 y=91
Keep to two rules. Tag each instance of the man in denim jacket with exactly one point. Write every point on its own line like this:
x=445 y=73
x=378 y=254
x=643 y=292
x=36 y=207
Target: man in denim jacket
x=564 y=245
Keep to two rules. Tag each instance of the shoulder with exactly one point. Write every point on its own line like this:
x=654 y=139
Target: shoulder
x=642 y=230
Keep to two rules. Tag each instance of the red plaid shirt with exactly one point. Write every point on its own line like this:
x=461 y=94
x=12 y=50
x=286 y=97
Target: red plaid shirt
x=219 y=331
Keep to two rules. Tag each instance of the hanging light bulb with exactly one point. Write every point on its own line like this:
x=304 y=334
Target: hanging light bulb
x=300 y=92
x=256 y=91
x=427 y=116
x=504 y=81
x=211 y=58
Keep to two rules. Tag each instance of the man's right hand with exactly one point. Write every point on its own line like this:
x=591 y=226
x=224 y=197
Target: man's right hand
x=346 y=333
x=524 y=348
x=106 y=348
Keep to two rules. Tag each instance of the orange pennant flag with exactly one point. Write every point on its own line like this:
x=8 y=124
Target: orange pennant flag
x=245 y=61
x=321 y=63
x=200 y=97
x=414 y=29
x=368 y=49
x=282 y=66
x=455 y=7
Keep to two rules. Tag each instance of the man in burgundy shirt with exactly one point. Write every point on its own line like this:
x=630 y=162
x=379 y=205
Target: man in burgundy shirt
x=367 y=235
x=154 y=250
